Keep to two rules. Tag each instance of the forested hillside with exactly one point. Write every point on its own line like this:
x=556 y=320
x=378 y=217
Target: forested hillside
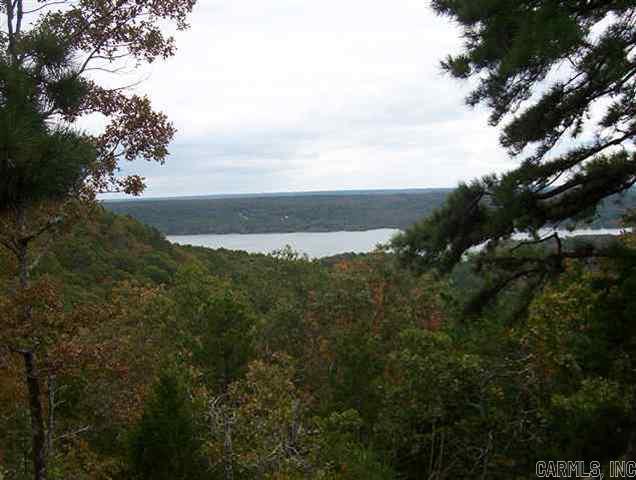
x=123 y=356
x=160 y=355
x=309 y=213
x=302 y=213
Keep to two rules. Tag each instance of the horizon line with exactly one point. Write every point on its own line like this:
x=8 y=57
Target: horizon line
x=273 y=194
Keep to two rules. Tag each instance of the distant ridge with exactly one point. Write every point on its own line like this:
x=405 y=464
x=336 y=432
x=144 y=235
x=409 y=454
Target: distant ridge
x=310 y=193
x=323 y=211
x=318 y=211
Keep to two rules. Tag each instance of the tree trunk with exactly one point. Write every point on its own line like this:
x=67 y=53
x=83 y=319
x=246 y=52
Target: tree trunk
x=38 y=432
x=38 y=437
x=51 y=390
x=228 y=450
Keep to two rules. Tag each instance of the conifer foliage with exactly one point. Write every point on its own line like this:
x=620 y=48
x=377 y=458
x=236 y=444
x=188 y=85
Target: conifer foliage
x=164 y=444
x=545 y=69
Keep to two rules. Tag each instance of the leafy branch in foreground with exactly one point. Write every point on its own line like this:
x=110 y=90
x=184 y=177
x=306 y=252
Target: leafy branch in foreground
x=543 y=69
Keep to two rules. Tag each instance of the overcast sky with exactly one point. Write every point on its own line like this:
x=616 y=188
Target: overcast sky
x=291 y=95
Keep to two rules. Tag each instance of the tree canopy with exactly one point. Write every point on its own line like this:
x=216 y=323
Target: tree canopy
x=559 y=78
x=50 y=53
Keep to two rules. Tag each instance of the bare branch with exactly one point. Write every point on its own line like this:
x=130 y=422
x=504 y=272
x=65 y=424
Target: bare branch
x=524 y=243
x=44 y=250
x=20 y=15
x=10 y=9
x=53 y=222
x=105 y=70
x=46 y=5
x=73 y=433
x=9 y=245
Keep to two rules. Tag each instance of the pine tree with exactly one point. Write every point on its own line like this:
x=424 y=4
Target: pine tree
x=165 y=445
x=541 y=67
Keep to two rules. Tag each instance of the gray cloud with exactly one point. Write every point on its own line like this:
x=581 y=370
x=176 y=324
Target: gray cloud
x=283 y=95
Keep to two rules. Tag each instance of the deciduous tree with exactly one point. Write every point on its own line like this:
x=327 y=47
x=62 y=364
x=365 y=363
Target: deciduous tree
x=49 y=53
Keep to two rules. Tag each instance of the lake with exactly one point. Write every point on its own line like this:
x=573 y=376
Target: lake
x=317 y=244
x=314 y=244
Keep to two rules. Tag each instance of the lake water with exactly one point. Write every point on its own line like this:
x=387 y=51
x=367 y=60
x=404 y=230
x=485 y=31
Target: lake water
x=317 y=245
